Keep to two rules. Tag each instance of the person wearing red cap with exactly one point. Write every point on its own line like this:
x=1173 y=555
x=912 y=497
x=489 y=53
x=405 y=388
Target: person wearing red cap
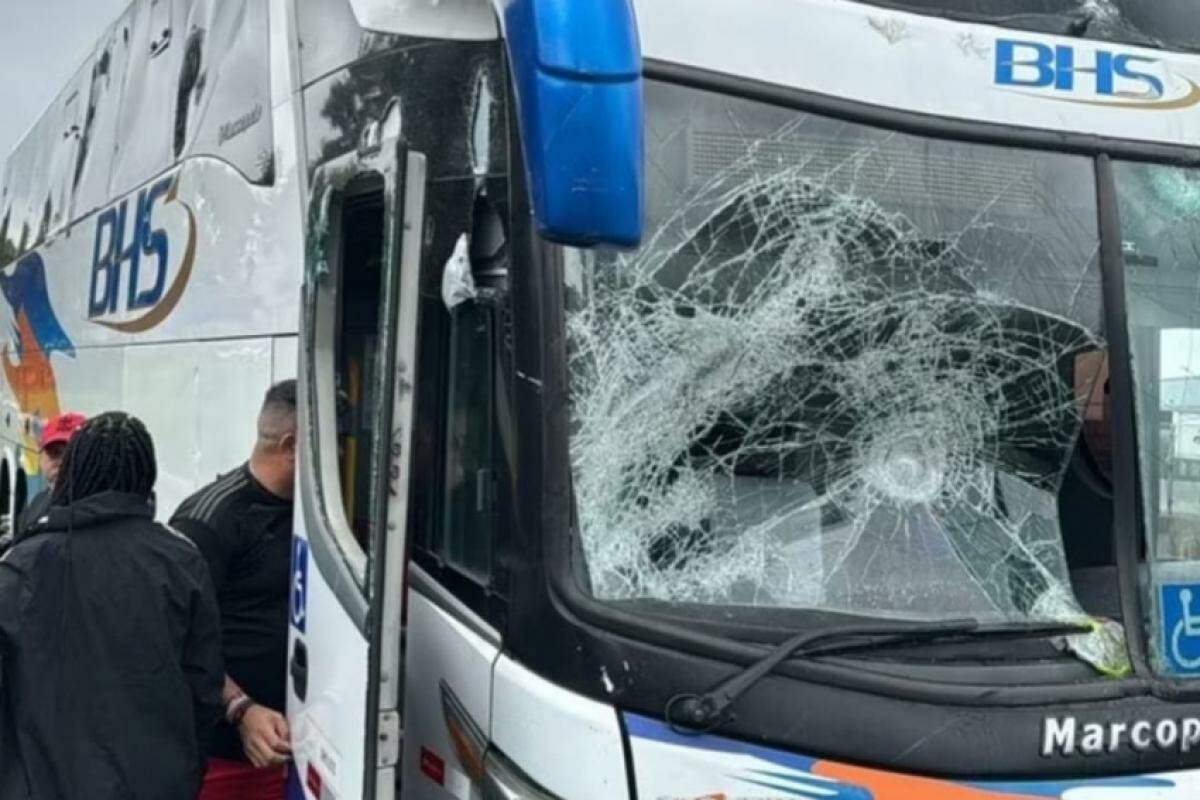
x=53 y=443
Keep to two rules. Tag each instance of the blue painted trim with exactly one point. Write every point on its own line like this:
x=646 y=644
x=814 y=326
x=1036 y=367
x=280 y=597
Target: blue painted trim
x=577 y=68
x=801 y=786
x=1057 y=788
x=294 y=790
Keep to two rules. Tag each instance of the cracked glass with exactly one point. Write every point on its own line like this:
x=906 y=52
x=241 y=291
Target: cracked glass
x=848 y=370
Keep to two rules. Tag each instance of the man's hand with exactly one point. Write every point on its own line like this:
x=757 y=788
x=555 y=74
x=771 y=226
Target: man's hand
x=265 y=737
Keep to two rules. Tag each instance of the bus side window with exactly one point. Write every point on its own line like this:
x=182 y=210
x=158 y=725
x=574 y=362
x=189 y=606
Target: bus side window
x=469 y=488
x=102 y=131
x=222 y=98
x=148 y=95
x=460 y=499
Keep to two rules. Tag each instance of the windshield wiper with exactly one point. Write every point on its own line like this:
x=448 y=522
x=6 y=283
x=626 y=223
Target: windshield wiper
x=699 y=713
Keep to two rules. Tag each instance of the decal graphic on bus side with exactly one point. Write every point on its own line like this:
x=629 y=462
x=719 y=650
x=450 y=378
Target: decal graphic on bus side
x=38 y=335
x=678 y=766
x=299 y=604
x=1092 y=76
x=122 y=241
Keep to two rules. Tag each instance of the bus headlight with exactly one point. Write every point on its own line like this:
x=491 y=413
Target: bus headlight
x=497 y=777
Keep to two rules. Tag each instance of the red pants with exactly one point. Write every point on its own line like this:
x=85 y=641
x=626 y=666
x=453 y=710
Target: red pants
x=235 y=780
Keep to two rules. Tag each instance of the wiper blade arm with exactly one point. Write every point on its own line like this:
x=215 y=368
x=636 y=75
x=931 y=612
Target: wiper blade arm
x=998 y=631
x=699 y=713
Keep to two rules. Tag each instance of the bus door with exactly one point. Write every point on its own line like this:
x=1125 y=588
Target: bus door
x=356 y=377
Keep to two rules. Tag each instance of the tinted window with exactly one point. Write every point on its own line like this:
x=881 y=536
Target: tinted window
x=470 y=480
x=65 y=129
x=101 y=117
x=357 y=356
x=147 y=106
x=17 y=172
x=26 y=186
x=222 y=100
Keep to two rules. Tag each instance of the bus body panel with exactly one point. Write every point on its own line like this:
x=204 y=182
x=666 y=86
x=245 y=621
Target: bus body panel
x=193 y=398
x=450 y=19
x=934 y=66
x=216 y=276
x=544 y=728
x=443 y=655
x=194 y=363
x=670 y=764
x=328 y=735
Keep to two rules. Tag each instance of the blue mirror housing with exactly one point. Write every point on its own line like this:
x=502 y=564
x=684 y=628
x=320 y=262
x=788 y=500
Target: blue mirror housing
x=577 y=68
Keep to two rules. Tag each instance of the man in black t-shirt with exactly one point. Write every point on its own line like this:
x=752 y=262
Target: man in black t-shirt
x=242 y=524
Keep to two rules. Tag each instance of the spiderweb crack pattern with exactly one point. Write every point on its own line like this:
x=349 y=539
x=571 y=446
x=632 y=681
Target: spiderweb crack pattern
x=792 y=397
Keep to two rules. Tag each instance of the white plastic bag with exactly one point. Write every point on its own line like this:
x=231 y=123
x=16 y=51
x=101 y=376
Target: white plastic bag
x=458 y=285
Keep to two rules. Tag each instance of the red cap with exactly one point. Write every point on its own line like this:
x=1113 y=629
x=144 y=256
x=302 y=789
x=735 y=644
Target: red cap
x=60 y=428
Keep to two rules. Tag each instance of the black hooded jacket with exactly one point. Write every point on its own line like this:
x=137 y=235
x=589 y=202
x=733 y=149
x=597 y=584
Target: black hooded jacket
x=111 y=672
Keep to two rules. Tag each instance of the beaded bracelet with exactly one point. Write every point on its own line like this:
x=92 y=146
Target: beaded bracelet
x=237 y=708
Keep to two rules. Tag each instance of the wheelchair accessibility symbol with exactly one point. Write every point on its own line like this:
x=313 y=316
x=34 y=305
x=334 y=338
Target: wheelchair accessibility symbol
x=299 y=601
x=1181 y=628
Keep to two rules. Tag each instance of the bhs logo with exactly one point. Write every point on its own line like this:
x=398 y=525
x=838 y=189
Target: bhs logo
x=1116 y=79
x=129 y=249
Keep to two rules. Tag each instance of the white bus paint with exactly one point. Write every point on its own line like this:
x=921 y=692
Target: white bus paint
x=197 y=374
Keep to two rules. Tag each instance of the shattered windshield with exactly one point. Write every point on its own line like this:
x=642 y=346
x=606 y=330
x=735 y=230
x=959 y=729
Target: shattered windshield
x=848 y=370
x=1166 y=24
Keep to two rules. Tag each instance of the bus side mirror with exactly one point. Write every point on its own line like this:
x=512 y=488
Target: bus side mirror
x=577 y=68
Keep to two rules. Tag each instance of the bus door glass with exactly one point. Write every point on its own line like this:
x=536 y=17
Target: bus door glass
x=358 y=335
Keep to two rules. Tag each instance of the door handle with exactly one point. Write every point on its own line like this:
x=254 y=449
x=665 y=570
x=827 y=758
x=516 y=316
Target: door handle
x=298 y=668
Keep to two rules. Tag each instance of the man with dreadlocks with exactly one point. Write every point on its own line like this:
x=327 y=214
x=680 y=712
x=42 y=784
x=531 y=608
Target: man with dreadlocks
x=242 y=523
x=109 y=636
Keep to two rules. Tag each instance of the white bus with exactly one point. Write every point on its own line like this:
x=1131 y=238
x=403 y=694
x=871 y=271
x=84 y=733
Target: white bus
x=842 y=468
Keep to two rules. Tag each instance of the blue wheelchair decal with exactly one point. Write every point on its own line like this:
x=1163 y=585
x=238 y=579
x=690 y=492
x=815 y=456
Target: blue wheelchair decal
x=1180 y=634
x=299 y=603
